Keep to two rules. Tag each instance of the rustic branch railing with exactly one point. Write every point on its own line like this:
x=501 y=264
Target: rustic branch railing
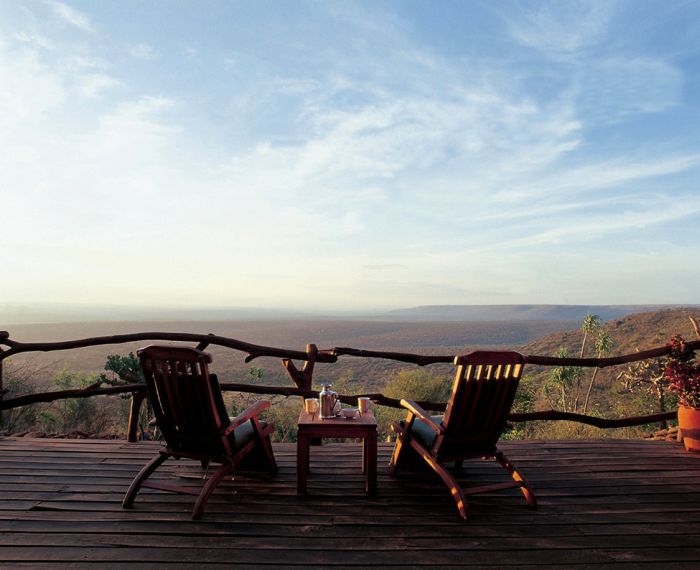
x=204 y=340
x=303 y=378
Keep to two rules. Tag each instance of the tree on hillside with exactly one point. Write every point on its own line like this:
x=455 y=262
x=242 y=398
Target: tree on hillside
x=603 y=344
x=124 y=369
x=590 y=324
x=647 y=376
x=83 y=414
x=127 y=370
x=560 y=389
x=19 y=379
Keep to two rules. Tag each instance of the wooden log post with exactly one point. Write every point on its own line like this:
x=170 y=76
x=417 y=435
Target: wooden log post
x=293 y=372
x=4 y=335
x=137 y=399
x=303 y=378
x=203 y=344
x=696 y=328
x=2 y=391
x=308 y=368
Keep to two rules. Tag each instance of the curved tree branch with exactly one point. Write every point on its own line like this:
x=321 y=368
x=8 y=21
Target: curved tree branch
x=253 y=350
x=423 y=360
x=377 y=398
x=556 y=415
x=419 y=359
x=696 y=328
x=326 y=356
x=312 y=355
x=94 y=390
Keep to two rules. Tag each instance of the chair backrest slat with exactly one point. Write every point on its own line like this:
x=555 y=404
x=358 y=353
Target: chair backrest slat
x=482 y=395
x=186 y=399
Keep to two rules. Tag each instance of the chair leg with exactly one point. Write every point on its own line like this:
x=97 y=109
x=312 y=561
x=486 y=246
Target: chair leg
x=208 y=488
x=513 y=472
x=398 y=448
x=144 y=474
x=269 y=455
x=263 y=440
x=454 y=487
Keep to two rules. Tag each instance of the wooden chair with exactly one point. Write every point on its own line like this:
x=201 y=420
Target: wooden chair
x=476 y=414
x=190 y=413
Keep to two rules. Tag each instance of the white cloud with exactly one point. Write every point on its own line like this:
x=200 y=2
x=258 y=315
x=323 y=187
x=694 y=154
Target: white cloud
x=30 y=89
x=71 y=16
x=76 y=63
x=90 y=86
x=142 y=51
x=561 y=29
x=615 y=88
x=594 y=176
x=603 y=223
x=35 y=39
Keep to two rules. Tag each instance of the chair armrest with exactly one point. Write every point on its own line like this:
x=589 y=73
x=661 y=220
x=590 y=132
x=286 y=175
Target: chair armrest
x=248 y=414
x=415 y=409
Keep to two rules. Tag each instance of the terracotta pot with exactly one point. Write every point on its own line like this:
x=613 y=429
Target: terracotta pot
x=689 y=427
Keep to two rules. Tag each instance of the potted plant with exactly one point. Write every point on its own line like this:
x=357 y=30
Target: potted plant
x=682 y=372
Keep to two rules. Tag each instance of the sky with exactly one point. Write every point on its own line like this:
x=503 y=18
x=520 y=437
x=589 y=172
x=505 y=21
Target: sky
x=349 y=155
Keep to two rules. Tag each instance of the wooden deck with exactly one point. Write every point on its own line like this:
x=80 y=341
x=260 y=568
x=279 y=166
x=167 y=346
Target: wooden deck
x=603 y=504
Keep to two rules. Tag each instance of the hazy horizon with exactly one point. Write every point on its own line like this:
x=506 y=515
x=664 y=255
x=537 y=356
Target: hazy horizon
x=57 y=313
x=349 y=156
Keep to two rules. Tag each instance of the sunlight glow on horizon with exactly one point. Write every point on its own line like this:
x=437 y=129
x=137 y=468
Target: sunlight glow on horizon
x=349 y=155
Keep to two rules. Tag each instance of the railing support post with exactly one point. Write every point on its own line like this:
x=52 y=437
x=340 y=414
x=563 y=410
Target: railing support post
x=304 y=377
x=137 y=399
x=4 y=335
x=2 y=390
x=308 y=369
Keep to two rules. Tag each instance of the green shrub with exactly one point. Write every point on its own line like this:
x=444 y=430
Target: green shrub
x=77 y=413
x=18 y=381
x=411 y=384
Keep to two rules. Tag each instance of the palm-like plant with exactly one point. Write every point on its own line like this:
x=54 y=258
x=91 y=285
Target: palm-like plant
x=590 y=324
x=563 y=379
x=603 y=344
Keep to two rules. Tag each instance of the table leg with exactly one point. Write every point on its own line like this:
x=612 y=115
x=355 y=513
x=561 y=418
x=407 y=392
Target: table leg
x=364 y=455
x=302 y=462
x=370 y=460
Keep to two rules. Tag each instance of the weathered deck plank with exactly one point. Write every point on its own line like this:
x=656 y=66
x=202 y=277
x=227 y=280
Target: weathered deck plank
x=603 y=504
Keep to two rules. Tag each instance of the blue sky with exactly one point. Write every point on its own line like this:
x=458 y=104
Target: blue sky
x=349 y=155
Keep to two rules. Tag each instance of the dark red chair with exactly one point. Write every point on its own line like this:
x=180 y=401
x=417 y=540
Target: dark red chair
x=190 y=413
x=476 y=414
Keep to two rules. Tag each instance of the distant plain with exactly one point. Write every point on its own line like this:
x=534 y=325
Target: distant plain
x=420 y=337
x=630 y=332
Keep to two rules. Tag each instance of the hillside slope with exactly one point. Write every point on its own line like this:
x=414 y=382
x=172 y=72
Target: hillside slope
x=629 y=333
x=639 y=331
x=511 y=313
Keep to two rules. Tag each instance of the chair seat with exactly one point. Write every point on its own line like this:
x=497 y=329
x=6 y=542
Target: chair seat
x=423 y=432
x=242 y=436
x=245 y=433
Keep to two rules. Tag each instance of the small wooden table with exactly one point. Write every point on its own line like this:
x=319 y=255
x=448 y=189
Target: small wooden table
x=312 y=426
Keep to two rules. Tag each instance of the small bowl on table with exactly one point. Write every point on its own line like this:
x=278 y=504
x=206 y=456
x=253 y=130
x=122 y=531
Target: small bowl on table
x=350 y=413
